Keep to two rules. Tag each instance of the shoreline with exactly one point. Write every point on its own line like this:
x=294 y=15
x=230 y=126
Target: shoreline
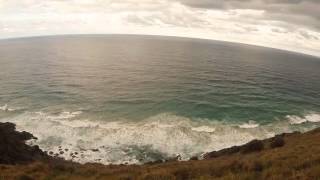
x=156 y=138
x=295 y=155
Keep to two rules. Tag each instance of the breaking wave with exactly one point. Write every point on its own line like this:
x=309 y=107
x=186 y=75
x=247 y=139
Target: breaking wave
x=7 y=108
x=250 y=124
x=163 y=136
x=308 y=118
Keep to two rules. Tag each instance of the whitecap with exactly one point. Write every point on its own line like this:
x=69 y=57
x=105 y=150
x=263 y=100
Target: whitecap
x=312 y=117
x=249 y=125
x=6 y=108
x=68 y=115
x=204 y=129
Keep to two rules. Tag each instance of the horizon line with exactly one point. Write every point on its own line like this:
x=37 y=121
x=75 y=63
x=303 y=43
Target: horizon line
x=157 y=35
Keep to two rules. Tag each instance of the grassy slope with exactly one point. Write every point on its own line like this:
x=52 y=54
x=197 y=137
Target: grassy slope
x=299 y=158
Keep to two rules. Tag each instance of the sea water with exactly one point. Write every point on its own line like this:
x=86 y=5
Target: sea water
x=134 y=99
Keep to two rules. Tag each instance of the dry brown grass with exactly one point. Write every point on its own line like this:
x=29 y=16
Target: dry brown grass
x=296 y=157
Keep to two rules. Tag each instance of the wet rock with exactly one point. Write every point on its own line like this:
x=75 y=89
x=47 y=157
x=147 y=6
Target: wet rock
x=26 y=136
x=13 y=149
x=155 y=162
x=177 y=158
x=223 y=152
x=195 y=158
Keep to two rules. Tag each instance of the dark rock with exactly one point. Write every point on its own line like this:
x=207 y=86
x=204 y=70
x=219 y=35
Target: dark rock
x=277 y=141
x=315 y=131
x=61 y=152
x=195 y=158
x=223 y=152
x=155 y=162
x=252 y=146
x=95 y=150
x=66 y=150
x=25 y=136
x=13 y=149
x=50 y=153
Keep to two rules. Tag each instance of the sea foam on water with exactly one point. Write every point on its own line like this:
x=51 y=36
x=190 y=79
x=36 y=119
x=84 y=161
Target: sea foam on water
x=133 y=142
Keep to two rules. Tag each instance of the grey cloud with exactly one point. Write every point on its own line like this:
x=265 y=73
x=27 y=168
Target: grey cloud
x=278 y=30
x=307 y=35
x=301 y=12
x=250 y=29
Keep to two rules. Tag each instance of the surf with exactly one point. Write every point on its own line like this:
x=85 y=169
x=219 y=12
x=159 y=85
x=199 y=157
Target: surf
x=158 y=137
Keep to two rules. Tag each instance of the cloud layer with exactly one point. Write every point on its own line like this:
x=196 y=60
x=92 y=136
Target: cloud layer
x=300 y=12
x=285 y=24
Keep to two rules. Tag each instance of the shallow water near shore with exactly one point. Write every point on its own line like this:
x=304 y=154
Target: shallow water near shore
x=134 y=99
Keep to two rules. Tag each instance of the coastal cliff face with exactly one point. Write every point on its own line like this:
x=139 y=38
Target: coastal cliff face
x=285 y=156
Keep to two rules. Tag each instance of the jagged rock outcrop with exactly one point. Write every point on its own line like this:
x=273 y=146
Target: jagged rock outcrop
x=13 y=149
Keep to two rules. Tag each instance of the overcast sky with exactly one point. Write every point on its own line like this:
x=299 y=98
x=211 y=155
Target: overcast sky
x=285 y=24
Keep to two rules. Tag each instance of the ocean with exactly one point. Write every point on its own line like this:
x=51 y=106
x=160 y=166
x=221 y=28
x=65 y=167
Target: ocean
x=129 y=99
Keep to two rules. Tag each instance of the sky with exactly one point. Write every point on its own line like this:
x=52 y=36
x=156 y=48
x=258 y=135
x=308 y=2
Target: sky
x=284 y=24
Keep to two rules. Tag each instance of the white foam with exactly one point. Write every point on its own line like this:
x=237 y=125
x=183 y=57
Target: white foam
x=68 y=115
x=249 y=125
x=204 y=129
x=6 y=108
x=124 y=141
x=60 y=116
x=313 y=117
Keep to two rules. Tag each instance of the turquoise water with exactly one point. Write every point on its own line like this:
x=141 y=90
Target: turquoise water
x=143 y=98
